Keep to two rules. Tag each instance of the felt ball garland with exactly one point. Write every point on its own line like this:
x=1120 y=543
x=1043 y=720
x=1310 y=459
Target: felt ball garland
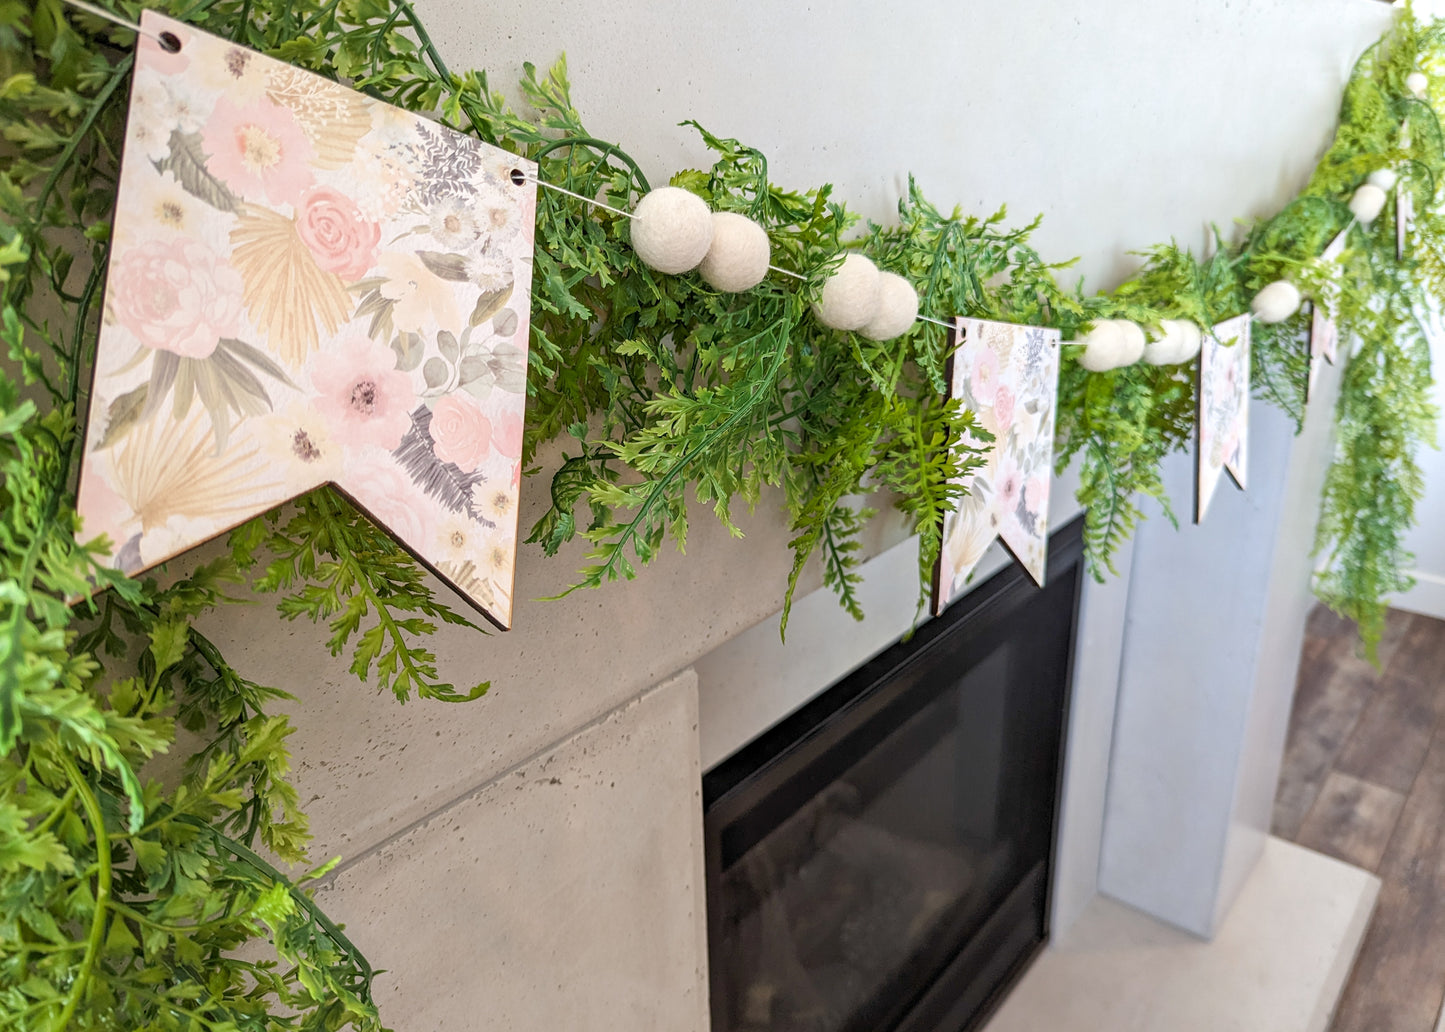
x=1367 y=203
x=1276 y=302
x=1112 y=344
x=671 y=230
x=674 y=232
x=1179 y=341
x=850 y=295
x=896 y=311
x=1384 y=178
x=738 y=257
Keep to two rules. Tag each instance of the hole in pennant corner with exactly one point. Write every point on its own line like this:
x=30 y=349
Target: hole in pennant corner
x=170 y=42
x=518 y=177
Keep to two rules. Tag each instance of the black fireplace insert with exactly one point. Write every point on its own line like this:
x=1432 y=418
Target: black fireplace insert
x=879 y=860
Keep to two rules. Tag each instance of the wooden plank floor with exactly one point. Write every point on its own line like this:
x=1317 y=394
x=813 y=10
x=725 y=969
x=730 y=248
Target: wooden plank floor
x=1364 y=781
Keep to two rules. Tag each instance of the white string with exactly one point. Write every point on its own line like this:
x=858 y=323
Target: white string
x=563 y=190
x=167 y=40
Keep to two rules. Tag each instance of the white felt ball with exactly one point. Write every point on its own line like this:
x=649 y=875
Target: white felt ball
x=1134 y=341
x=1384 y=178
x=850 y=296
x=1417 y=83
x=1104 y=347
x=897 y=308
x=1178 y=340
x=671 y=230
x=738 y=258
x=1192 y=342
x=1276 y=302
x=1368 y=202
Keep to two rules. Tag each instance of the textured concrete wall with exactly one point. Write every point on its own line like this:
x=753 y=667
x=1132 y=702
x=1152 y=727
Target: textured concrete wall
x=565 y=894
x=1111 y=118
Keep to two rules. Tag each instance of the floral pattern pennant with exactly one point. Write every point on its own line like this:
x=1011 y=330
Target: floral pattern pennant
x=1008 y=375
x=1324 y=331
x=1223 y=409
x=307 y=286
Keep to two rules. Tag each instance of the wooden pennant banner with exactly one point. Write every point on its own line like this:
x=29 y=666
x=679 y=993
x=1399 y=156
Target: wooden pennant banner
x=1008 y=375
x=1223 y=409
x=307 y=286
x=1324 y=331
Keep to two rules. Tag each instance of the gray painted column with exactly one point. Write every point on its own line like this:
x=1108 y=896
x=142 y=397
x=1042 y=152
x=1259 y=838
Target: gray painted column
x=1215 y=622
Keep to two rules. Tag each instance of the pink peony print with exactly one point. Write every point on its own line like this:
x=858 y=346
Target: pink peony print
x=258 y=150
x=1003 y=408
x=175 y=296
x=985 y=373
x=341 y=240
x=507 y=434
x=1036 y=494
x=361 y=393
x=1008 y=485
x=383 y=489
x=163 y=60
x=422 y=299
x=461 y=433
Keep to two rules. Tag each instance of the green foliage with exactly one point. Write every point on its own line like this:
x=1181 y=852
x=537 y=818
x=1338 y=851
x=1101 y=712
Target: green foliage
x=124 y=899
x=1384 y=415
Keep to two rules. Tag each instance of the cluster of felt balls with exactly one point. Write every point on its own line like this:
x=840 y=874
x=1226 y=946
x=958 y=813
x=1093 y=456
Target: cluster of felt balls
x=1281 y=299
x=673 y=232
x=1114 y=343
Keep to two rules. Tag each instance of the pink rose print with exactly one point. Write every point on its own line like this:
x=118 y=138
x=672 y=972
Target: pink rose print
x=1003 y=408
x=362 y=395
x=176 y=296
x=258 y=150
x=340 y=239
x=460 y=433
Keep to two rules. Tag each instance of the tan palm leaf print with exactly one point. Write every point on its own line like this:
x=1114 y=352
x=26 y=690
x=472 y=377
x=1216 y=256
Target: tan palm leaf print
x=168 y=468
x=335 y=119
x=292 y=300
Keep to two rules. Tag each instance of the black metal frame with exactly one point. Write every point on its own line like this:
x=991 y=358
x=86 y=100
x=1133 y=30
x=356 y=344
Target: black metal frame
x=751 y=792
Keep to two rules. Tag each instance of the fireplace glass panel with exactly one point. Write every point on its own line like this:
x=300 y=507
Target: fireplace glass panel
x=858 y=849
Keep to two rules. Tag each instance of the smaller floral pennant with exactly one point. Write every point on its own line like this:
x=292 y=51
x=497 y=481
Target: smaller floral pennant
x=1008 y=376
x=1404 y=218
x=1223 y=409
x=1324 y=331
x=308 y=286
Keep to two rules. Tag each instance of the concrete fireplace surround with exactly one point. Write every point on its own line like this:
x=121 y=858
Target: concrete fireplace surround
x=533 y=860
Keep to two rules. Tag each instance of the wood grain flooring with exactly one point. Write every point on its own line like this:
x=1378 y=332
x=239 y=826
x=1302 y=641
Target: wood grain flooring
x=1364 y=781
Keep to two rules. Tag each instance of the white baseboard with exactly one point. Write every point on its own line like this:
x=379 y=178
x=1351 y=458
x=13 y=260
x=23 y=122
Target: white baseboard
x=1427 y=597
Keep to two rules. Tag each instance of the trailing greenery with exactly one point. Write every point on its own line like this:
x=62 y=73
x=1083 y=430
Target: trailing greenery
x=125 y=900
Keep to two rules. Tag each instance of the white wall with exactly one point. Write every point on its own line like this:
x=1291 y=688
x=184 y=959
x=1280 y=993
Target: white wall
x=1425 y=539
